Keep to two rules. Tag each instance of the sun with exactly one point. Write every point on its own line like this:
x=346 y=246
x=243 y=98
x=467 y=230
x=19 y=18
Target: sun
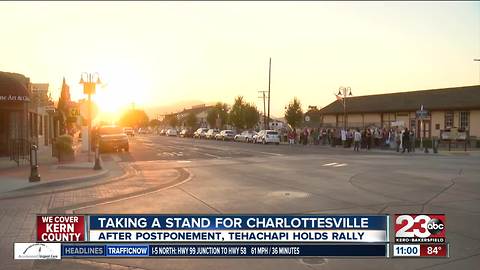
x=121 y=89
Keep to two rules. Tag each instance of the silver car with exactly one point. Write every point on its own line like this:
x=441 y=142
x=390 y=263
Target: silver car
x=225 y=135
x=211 y=133
x=245 y=136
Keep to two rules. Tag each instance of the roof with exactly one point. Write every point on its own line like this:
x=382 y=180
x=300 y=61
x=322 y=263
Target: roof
x=455 y=98
x=195 y=110
x=13 y=85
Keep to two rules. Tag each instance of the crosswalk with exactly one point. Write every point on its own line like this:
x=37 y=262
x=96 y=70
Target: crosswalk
x=334 y=164
x=170 y=154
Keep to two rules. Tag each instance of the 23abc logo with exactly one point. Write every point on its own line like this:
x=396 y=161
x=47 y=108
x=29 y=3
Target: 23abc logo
x=421 y=226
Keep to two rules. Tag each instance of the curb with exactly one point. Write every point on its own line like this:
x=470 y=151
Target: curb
x=7 y=195
x=62 y=181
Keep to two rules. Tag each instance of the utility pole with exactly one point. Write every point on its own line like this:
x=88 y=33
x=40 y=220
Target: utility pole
x=477 y=60
x=269 y=80
x=264 y=115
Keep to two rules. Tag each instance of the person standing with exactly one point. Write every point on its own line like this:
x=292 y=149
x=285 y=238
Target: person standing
x=369 y=138
x=291 y=138
x=357 y=138
x=412 y=141
x=406 y=140
x=397 y=140
x=344 y=137
x=306 y=135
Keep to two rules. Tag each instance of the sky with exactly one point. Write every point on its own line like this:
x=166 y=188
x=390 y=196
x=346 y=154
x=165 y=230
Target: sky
x=159 y=53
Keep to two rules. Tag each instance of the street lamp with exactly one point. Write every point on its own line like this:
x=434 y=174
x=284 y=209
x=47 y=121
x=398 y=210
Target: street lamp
x=477 y=60
x=344 y=93
x=89 y=81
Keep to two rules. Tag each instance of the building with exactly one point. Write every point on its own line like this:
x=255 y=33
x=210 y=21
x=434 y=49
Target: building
x=43 y=106
x=200 y=112
x=447 y=108
x=277 y=124
x=26 y=115
x=15 y=115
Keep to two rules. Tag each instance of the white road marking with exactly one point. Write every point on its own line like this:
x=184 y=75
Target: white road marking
x=184 y=161
x=268 y=153
x=340 y=165
x=210 y=155
x=330 y=164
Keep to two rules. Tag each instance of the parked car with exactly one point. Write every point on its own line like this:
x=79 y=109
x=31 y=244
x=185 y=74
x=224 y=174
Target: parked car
x=129 y=131
x=143 y=131
x=186 y=133
x=225 y=135
x=112 y=138
x=200 y=133
x=211 y=133
x=245 y=136
x=171 y=132
x=162 y=132
x=267 y=136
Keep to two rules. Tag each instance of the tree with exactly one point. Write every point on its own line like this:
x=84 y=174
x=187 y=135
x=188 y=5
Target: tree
x=154 y=123
x=314 y=115
x=134 y=118
x=218 y=113
x=294 y=113
x=191 y=120
x=252 y=115
x=212 y=117
x=171 y=120
x=237 y=113
x=63 y=106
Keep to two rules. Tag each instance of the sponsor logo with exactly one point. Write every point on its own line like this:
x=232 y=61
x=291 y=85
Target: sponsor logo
x=37 y=251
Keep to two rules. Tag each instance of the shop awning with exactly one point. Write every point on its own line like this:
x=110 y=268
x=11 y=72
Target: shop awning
x=12 y=89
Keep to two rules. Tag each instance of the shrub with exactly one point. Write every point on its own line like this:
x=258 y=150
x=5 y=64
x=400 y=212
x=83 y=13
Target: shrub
x=64 y=144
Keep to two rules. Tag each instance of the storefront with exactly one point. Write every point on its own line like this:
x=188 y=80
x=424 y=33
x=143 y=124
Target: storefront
x=14 y=111
x=445 y=109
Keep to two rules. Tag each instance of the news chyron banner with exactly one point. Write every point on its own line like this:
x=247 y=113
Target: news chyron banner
x=216 y=235
x=212 y=236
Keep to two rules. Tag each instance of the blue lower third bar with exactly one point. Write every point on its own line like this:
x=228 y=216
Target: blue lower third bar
x=230 y=250
x=127 y=250
x=83 y=250
x=291 y=250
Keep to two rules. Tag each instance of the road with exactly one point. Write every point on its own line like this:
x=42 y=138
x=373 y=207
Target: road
x=176 y=175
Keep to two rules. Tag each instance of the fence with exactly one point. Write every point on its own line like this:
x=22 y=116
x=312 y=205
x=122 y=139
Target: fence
x=19 y=149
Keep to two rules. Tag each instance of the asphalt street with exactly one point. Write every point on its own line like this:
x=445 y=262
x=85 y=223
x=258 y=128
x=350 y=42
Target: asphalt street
x=183 y=175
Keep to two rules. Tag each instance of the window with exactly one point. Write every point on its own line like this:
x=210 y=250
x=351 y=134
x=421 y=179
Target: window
x=448 y=119
x=40 y=125
x=464 y=120
x=413 y=124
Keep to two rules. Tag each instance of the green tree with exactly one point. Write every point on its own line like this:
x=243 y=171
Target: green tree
x=252 y=115
x=154 y=123
x=191 y=120
x=220 y=112
x=294 y=113
x=212 y=117
x=171 y=120
x=134 y=118
x=314 y=115
x=237 y=113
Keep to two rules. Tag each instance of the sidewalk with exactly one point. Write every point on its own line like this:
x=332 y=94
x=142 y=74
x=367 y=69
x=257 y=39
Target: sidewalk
x=418 y=151
x=13 y=177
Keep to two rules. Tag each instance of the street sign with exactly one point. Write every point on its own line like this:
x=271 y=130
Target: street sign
x=422 y=114
x=307 y=118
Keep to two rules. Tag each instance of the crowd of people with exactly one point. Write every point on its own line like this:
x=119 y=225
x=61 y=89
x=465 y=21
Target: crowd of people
x=401 y=139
